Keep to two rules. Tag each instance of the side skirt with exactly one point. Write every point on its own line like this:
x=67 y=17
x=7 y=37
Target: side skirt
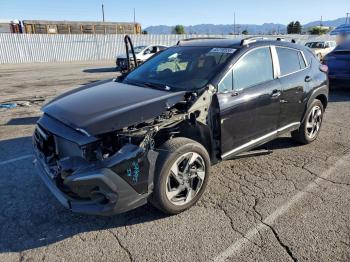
x=260 y=141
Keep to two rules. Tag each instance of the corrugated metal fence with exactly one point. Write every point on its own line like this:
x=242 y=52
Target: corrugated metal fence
x=26 y=48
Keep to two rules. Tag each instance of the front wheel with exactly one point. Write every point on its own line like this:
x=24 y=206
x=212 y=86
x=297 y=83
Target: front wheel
x=182 y=172
x=311 y=126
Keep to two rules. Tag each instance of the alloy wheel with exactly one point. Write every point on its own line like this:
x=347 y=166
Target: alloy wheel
x=185 y=178
x=314 y=122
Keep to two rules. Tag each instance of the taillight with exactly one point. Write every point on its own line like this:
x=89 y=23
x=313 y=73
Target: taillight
x=324 y=68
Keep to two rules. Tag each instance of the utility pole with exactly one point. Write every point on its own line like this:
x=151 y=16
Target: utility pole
x=134 y=16
x=103 y=13
x=234 y=23
x=347 y=18
x=321 y=22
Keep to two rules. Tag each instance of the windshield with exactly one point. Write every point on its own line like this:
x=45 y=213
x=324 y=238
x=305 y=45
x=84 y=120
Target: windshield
x=315 y=45
x=184 y=68
x=138 y=49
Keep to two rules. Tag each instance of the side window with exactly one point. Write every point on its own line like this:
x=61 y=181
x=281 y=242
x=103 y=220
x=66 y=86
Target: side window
x=154 y=49
x=226 y=84
x=290 y=60
x=255 y=68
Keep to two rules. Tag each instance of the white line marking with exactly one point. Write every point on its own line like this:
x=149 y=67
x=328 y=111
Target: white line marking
x=236 y=246
x=15 y=159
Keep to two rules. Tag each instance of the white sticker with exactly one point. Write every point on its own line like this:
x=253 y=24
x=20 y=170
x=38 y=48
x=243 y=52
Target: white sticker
x=223 y=50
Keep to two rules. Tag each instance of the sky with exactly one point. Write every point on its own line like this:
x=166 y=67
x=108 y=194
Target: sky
x=186 y=12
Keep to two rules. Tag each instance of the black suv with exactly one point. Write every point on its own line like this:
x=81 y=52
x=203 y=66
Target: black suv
x=153 y=134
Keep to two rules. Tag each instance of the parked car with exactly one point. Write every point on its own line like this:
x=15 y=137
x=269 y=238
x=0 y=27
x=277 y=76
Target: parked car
x=338 y=62
x=142 y=54
x=153 y=134
x=321 y=48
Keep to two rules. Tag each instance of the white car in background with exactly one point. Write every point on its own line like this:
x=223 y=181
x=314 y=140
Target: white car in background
x=321 y=48
x=142 y=53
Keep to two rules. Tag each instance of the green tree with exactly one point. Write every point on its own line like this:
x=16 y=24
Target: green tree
x=179 y=30
x=290 y=28
x=245 y=32
x=318 y=30
x=297 y=28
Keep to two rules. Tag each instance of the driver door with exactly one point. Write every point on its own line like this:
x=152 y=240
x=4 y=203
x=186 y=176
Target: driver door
x=249 y=102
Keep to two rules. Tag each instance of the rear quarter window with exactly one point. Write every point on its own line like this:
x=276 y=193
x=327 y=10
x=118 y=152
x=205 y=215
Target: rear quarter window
x=290 y=60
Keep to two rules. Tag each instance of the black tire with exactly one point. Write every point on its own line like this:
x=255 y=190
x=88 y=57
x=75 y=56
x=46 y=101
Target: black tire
x=301 y=135
x=169 y=152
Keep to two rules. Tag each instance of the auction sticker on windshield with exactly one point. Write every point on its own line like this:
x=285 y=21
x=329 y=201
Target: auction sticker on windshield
x=223 y=50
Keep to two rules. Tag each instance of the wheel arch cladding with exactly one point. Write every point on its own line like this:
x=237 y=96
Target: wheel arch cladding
x=323 y=99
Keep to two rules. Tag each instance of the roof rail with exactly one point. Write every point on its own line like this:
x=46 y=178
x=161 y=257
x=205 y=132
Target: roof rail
x=252 y=39
x=199 y=38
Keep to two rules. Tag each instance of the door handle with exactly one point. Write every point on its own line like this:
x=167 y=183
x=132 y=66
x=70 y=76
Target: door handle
x=308 y=78
x=276 y=93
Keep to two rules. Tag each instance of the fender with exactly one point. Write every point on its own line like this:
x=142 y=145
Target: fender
x=319 y=91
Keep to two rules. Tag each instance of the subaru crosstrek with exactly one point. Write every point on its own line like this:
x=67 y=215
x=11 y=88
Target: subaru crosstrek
x=151 y=135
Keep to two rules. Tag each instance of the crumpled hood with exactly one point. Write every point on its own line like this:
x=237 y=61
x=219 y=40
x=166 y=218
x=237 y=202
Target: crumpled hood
x=107 y=106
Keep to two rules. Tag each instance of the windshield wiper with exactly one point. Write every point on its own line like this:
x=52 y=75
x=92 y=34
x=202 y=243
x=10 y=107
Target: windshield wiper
x=150 y=84
x=157 y=85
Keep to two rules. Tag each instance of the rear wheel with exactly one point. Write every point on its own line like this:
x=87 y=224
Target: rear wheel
x=311 y=126
x=181 y=176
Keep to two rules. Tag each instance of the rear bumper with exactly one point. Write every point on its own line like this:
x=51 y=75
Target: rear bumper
x=113 y=194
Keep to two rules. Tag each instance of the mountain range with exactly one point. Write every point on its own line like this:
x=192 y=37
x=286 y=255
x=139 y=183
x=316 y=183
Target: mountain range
x=266 y=28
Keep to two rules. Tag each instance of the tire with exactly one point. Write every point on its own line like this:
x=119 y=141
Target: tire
x=307 y=133
x=172 y=159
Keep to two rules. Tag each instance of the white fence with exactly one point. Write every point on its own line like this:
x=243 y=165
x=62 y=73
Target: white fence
x=26 y=48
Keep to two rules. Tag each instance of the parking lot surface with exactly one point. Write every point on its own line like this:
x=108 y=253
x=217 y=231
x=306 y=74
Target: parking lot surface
x=291 y=205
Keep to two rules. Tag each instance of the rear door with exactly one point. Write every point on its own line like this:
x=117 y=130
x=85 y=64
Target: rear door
x=249 y=101
x=294 y=76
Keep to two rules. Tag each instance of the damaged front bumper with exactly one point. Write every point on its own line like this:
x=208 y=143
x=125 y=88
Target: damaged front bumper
x=106 y=187
x=120 y=198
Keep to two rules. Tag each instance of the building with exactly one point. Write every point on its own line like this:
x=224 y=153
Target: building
x=10 y=26
x=79 y=27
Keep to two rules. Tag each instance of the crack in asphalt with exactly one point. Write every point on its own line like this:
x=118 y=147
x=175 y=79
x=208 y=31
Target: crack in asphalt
x=347 y=150
x=235 y=229
x=122 y=246
x=274 y=231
